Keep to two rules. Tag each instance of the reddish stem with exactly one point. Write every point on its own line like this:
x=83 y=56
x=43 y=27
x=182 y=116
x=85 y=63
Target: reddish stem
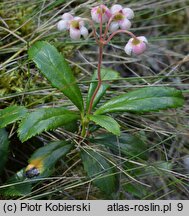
x=101 y=45
x=93 y=28
x=101 y=22
x=99 y=78
x=121 y=31
x=107 y=26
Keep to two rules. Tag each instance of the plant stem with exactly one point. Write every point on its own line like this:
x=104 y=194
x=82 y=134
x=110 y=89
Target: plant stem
x=83 y=132
x=99 y=78
x=107 y=26
x=93 y=28
x=101 y=45
x=121 y=31
x=101 y=22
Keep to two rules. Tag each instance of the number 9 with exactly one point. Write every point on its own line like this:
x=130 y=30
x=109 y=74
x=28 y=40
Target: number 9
x=179 y=206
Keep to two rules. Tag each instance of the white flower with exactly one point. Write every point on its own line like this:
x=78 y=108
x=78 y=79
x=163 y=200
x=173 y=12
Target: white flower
x=64 y=24
x=121 y=18
x=75 y=25
x=136 y=46
x=99 y=11
x=77 y=29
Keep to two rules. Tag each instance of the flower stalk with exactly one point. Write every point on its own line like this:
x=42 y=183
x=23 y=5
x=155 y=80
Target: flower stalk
x=99 y=78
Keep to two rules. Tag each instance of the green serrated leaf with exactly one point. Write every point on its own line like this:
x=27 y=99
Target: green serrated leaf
x=106 y=74
x=55 y=68
x=126 y=144
x=4 y=146
x=56 y=155
x=11 y=114
x=100 y=170
x=16 y=186
x=106 y=122
x=47 y=149
x=144 y=100
x=44 y=119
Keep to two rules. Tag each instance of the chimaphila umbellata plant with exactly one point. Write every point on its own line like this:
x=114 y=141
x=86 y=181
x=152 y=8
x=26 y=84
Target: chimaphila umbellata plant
x=103 y=156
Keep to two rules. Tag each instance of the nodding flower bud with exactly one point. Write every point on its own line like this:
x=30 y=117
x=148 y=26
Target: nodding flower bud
x=75 y=25
x=100 y=11
x=120 y=18
x=136 y=45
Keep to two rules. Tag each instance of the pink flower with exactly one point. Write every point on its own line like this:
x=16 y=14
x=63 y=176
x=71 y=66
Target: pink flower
x=75 y=25
x=121 y=18
x=99 y=11
x=136 y=46
x=77 y=28
x=64 y=24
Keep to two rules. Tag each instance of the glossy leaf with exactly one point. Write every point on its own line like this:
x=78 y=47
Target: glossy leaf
x=106 y=122
x=144 y=100
x=45 y=157
x=127 y=144
x=11 y=114
x=99 y=170
x=44 y=119
x=4 y=146
x=106 y=74
x=55 y=68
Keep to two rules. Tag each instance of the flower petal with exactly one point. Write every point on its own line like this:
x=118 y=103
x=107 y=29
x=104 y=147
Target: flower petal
x=108 y=14
x=94 y=14
x=84 y=31
x=129 y=14
x=81 y=23
x=125 y=24
x=139 y=48
x=128 y=47
x=67 y=16
x=114 y=26
x=116 y=8
x=75 y=34
x=105 y=18
x=63 y=25
x=142 y=38
x=77 y=18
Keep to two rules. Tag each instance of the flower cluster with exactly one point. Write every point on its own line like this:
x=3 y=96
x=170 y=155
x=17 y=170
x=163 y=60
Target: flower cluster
x=117 y=20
